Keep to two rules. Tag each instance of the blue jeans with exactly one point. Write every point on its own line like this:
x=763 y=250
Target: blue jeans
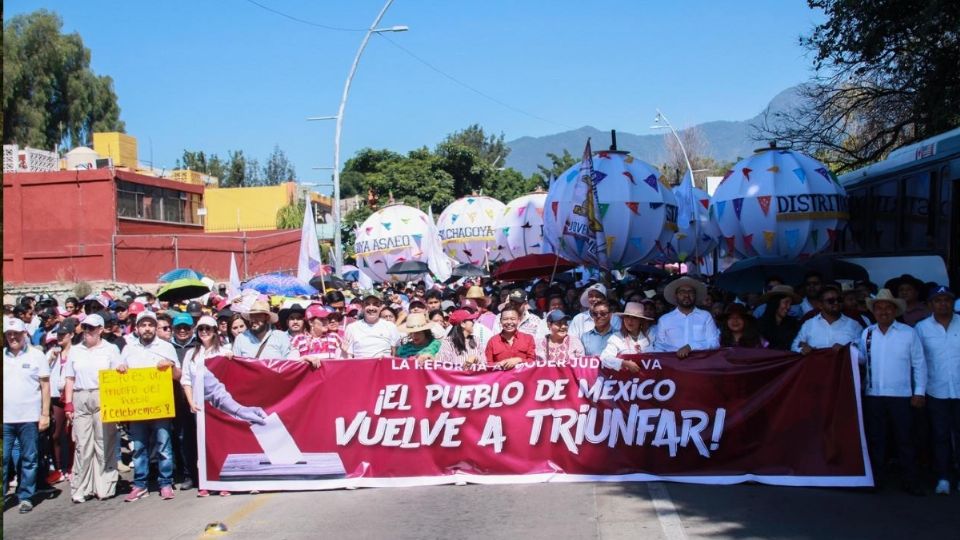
x=142 y=433
x=27 y=434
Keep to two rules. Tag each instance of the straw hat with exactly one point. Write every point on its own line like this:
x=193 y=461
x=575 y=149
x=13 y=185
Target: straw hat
x=780 y=291
x=476 y=293
x=416 y=322
x=670 y=292
x=886 y=296
x=634 y=309
x=261 y=306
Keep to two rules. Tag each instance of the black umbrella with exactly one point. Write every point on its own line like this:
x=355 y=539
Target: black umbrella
x=409 y=267
x=750 y=275
x=468 y=270
x=834 y=268
x=648 y=270
x=332 y=280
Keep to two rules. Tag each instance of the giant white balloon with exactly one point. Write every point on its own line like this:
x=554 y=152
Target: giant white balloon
x=685 y=243
x=519 y=228
x=466 y=229
x=395 y=234
x=617 y=217
x=779 y=203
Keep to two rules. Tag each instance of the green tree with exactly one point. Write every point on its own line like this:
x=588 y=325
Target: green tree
x=352 y=183
x=200 y=162
x=887 y=73
x=418 y=180
x=369 y=160
x=50 y=94
x=235 y=170
x=491 y=149
x=508 y=184
x=464 y=165
x=291 y=215
x=558 y=165
x=278 y=168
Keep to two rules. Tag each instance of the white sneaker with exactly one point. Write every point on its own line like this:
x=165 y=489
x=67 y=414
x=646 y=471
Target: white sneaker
x=943 y=487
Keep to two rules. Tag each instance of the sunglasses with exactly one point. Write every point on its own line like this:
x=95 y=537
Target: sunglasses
x=164 y=328
x=88 y=328
x=204 y=329
x=831 y=300
x=597 y=314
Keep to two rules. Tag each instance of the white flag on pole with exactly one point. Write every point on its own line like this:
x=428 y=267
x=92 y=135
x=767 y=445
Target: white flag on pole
x=308 y=263
x=233 y=287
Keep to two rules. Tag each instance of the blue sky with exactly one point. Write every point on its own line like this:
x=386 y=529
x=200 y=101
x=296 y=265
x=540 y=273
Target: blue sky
x=221 y=75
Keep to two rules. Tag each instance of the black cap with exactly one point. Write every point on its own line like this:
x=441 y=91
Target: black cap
x=195 y=309
x=67 y=326
x=109 y=317
x=47 y=313
x=225 y=313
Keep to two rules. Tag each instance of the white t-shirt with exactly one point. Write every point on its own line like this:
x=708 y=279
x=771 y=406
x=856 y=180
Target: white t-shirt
x=363 y=340
x=84 y=364
x=138 y=355
x=21 y=385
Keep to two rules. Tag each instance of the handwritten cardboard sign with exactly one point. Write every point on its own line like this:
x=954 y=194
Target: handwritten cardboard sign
x=138 y=394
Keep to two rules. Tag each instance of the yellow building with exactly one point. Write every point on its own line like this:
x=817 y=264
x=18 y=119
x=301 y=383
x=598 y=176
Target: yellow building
x=246 y=208
x=119 y=147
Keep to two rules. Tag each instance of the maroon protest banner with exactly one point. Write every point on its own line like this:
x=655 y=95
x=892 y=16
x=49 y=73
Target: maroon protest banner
x=724 y=416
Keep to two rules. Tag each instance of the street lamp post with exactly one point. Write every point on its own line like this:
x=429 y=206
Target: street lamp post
x=337 y=240
x=693 y=209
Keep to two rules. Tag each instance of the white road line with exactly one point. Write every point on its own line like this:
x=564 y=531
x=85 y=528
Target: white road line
x=666 y=511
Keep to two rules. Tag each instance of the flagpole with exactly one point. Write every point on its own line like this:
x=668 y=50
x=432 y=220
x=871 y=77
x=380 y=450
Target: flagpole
x=696 y=214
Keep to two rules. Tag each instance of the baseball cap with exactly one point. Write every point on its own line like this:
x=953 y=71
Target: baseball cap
x=194 y=309
x=557 y=315
x=136 y=308
x=182 y=319
x=93 y=320
x=317 y=311
x=14 y=325
x=109 y=317
x=942 y=289
x=462 y=315
x=207 y=320
x=517 y=295
x=67 y=326
x=146 y=315
x=50 y=337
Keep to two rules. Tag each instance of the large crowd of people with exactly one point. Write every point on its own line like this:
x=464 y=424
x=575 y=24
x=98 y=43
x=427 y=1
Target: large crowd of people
x=906 y=334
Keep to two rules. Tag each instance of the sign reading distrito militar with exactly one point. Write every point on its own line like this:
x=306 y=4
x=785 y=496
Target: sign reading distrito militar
x=138 y=394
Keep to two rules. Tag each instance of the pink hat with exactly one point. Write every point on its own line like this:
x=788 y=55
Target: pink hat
x=462 y=315
x=317 y=311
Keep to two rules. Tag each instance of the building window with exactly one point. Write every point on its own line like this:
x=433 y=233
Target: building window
x=139 y=201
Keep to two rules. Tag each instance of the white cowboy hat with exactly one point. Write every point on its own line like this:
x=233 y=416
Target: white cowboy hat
x=886 y=296
x=634 y=309
x=416 y=322
x=670 y=292
x=585 y=295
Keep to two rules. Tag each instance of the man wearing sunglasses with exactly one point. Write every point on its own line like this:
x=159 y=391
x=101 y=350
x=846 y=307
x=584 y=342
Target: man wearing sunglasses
x=150 y=352
x=595 y=339
x=830 y=328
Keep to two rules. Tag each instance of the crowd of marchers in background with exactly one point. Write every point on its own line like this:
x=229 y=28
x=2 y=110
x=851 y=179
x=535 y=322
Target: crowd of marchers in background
x=905 y=334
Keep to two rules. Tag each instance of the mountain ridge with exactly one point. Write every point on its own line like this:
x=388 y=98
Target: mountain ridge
x=725 y=140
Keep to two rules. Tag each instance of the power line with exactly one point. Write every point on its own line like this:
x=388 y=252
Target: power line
x=304 y=21
x=415 y=57
x=468 y=87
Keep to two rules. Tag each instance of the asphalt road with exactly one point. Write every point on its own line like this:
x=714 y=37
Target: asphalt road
x=550 y=511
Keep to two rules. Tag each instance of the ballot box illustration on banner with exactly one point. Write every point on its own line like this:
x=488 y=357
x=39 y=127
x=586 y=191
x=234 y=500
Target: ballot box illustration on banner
x=281 y=459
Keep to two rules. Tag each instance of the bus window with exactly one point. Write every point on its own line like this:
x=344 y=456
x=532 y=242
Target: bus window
x=884 y=201
x=858 y=232
x=917 y=228
x=944 y=208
